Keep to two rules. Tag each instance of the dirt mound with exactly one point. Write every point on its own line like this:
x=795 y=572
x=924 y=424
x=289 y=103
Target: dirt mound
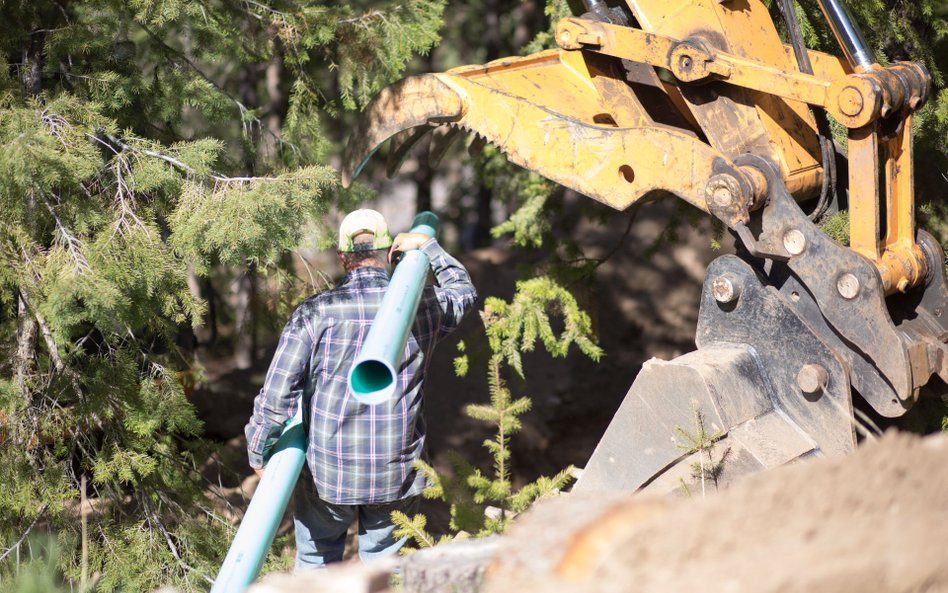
x=874 y=521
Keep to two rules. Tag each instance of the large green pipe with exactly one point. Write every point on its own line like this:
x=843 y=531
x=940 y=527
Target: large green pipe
x=255 y=534
x=372 y=376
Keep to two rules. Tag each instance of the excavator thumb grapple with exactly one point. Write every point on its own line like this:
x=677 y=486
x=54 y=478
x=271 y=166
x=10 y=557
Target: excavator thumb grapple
x=701 y=99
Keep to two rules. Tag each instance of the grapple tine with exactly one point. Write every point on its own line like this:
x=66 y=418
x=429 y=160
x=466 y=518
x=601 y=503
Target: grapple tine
x=409 y=103
x=441 y=140
x=401 y=145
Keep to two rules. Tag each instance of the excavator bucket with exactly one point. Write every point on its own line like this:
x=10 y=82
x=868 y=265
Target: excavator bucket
x=737 y=405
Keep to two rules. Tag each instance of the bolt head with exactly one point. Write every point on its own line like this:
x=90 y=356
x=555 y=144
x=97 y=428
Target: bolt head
x=723 y=290
x=722 y=190
x=722 y=196
x=794 y=242
x=848 y=286
x=850 y=101
x=812 y=379
x=684 y=62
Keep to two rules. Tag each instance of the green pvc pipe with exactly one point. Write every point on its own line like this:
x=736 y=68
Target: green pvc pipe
x=259 y=525
x=372 y=376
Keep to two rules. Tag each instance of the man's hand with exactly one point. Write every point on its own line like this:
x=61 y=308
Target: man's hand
x=407 y=242
x=258 y=471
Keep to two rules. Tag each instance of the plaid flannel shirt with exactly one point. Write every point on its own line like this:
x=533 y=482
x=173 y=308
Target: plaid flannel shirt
x=357 y=454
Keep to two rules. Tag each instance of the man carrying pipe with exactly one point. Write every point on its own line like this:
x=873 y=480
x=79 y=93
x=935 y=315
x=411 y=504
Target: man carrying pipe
x=359 y=458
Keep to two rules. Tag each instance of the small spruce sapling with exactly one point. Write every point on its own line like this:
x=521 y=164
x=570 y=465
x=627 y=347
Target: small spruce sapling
x=512 y=329
x=702 y=442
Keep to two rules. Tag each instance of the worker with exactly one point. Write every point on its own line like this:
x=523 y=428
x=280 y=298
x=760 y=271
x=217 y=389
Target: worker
x=360 y=458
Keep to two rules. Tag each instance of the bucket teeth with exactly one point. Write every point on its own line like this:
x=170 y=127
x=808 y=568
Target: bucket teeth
x=555 y=136
x=410 y=103
x=401 y=146
x=476 y=147
x=441 y=140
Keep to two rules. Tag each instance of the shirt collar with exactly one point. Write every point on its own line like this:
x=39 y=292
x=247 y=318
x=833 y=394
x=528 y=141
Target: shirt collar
x=365 y=273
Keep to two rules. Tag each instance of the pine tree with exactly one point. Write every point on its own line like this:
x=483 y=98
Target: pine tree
x=140 y=143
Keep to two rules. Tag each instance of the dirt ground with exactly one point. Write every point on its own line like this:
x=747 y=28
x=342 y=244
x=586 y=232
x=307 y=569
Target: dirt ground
x=876 y=521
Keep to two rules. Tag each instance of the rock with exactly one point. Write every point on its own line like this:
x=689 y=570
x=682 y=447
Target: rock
x=353 y=577
x=456 y=567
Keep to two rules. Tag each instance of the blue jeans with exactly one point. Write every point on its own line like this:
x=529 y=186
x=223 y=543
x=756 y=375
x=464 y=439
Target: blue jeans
x=321 y=527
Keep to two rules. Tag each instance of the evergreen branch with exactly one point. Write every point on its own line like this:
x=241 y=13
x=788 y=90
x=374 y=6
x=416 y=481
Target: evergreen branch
x=72 y=243
x=46 y=333
x=174 y=550
x=413 y=528
x=240 y=106
x=177 y=163
x=367 y=16
x=41 y=512
x=265 y=8
x=124 y=198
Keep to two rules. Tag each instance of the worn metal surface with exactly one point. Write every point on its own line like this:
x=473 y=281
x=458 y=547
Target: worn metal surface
x=737 y=120
x=743 y=380
x=846 y=287
x=689 y=61
x=783 y=343
x=409 y=103
x=922 y=315
x=594 y=137
x=643 y=441
x=864 y=191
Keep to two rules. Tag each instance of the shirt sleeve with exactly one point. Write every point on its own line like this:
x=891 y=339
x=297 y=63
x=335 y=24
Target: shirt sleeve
x=455 y=291
x=278 y=400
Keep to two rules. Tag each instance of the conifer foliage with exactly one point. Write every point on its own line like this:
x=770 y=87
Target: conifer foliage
x=512 y=329
x=137 y=141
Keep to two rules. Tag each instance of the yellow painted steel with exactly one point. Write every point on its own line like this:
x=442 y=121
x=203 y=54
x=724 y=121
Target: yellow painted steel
x=596 y=117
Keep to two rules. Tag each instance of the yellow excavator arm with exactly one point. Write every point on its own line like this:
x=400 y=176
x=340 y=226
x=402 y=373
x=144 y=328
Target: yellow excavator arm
x=702 y=99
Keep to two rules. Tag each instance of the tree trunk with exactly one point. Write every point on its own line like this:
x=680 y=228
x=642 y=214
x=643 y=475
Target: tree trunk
x=423 y=174
x=246 y=339
x=484 y=195
x=211 y=295
x=531 y=20
x=275 y=108
x=26 y=333
x=245 y=330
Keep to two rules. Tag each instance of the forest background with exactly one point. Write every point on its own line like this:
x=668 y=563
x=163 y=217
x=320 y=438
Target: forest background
x=169 y=190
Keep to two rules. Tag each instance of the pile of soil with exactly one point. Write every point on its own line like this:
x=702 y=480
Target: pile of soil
x=876 y=521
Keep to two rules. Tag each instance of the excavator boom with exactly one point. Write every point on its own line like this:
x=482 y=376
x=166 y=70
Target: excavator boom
x=701 y=99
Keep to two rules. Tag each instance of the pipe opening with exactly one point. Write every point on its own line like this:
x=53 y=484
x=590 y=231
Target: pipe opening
x=370 y=376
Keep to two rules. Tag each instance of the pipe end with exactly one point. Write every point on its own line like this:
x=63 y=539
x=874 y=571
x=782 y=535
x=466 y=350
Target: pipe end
x=372 y=381
x=426 y=222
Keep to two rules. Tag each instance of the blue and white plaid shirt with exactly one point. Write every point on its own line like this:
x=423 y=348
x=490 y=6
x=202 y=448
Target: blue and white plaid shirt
x=357 y=454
